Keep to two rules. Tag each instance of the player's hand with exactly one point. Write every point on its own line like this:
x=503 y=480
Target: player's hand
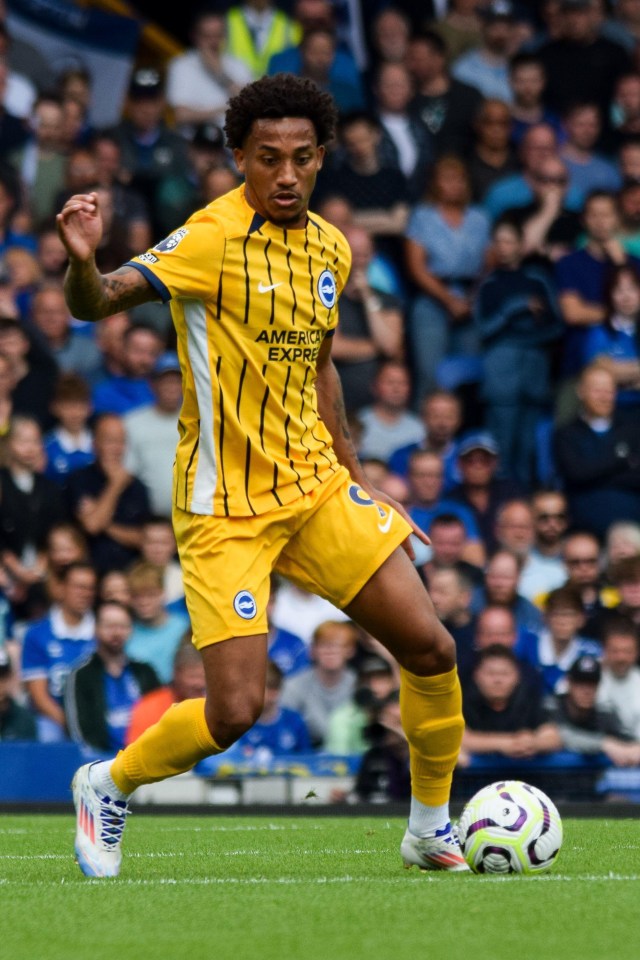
x=79 y=225
x=397 y=506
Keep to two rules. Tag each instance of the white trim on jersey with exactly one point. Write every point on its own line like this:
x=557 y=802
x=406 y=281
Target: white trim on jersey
x=204 y=484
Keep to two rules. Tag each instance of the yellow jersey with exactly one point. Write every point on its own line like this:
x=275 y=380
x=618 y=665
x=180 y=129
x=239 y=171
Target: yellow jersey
x=251 y=303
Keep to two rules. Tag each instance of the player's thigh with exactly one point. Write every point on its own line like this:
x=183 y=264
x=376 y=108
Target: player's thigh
x=342 y=543
x=226 y=566
x=394 y=607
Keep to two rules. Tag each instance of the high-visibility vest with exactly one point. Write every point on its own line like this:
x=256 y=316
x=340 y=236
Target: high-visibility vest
x=239 y=43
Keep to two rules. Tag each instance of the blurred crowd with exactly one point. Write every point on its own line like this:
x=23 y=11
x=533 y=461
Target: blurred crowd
x=486 y=173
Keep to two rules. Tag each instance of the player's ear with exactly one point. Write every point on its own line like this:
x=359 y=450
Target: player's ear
x=238 y=156
x=321 y=155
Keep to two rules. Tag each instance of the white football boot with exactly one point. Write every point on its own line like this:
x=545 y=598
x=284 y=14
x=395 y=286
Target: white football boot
x=440 y=852
x=99 y=825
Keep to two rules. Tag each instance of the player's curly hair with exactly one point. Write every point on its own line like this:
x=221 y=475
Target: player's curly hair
x=272 y=98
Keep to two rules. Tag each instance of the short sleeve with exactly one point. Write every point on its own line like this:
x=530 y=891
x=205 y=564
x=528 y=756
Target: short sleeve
x=186 y=264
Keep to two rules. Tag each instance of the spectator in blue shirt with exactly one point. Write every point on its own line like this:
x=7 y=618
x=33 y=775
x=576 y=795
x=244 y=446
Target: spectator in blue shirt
x=559 y=644
x=581 y=276
x=441 y=414
x=518 y=318
x=426 y=477
x=120 y=393
x=157 y=633
x=538 y=143
x=69 y=445
x=54 y=645
x=615 y=343
x=588 y=170
x=447 y=238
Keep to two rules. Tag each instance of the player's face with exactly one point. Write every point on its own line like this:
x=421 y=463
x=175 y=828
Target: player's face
x=280 y=160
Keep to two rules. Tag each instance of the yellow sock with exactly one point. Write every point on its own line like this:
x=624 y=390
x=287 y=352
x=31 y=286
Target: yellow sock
x=179 y=740
x=431 y=710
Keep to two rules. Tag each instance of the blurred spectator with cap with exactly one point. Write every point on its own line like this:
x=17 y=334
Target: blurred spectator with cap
x=150 y=149
x=178 y=196
x=481 y=488
x=487 y=67
x=585 y=727
x=347 y=723
x=16 y=721
x=152 y=434
x=201 y=80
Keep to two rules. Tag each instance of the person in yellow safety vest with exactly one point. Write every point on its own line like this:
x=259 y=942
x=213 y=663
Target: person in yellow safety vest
x=256 y=30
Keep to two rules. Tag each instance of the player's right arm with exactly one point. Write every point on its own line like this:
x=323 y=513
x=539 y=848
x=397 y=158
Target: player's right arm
x=90 y=294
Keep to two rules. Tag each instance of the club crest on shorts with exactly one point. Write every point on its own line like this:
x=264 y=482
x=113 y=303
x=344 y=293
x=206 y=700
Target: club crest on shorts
x=358 y=496
x=245 y=605
x=327 y=288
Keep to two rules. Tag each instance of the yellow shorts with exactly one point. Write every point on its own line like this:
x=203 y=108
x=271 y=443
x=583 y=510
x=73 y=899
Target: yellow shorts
x=329 y=542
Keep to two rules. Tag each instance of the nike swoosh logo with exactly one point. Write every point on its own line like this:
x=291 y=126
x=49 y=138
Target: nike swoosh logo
x=384 y=527
x=263 y=289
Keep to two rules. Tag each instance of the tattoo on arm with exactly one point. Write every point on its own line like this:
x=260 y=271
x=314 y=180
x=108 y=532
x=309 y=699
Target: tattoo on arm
x=92 y=295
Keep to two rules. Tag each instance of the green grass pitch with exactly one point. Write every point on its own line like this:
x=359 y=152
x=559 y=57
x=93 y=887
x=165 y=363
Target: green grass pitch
x=308 y=888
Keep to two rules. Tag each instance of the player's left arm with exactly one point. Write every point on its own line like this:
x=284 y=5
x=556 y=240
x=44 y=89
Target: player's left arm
x=332 y=411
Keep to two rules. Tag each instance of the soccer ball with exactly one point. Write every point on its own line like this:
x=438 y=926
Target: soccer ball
x=510 y=827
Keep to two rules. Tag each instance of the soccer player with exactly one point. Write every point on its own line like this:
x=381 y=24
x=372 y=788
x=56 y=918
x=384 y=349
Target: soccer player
x=266 y=476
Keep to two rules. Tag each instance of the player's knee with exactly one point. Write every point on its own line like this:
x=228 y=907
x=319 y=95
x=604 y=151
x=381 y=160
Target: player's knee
x=228 y=723
x=437 y=655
